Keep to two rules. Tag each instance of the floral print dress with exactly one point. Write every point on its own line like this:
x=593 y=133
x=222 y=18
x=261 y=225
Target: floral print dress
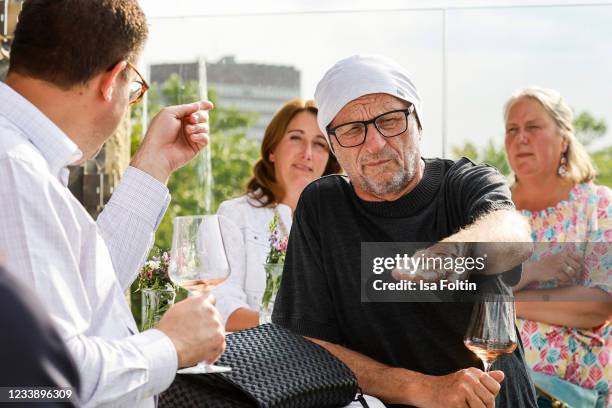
x=580 y=356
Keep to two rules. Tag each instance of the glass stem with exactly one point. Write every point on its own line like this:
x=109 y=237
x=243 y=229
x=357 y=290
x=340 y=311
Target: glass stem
x=487 y=365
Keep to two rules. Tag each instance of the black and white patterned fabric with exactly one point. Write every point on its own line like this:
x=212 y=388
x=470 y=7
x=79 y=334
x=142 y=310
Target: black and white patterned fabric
x=271 y=368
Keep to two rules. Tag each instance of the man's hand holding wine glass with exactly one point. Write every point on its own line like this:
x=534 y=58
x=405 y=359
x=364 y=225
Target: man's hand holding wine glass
x=470 y=387
x=194 y=326
x=201 y=260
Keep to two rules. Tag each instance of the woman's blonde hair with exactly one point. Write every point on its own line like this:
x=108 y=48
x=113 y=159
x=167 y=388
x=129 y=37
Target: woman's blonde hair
x=262 y=186
x=580 y=168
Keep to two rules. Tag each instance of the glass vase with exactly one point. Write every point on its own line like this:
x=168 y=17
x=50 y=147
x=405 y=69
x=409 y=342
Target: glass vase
x=154 y=303
x=274 y=272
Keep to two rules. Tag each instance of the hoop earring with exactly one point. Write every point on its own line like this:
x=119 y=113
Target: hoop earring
x=562 y=170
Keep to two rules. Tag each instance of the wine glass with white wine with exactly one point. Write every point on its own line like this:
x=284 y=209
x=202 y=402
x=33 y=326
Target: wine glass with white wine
x=199 y=261
x=491 y=332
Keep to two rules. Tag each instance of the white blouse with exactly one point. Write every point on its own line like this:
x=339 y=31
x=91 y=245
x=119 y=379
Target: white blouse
x=247 y=281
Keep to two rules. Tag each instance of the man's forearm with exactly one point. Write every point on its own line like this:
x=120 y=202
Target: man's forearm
x=502 y=235
x=147 y=362
x=242 y=318
x=129 y=220
x=527 y=277
x=390 y=384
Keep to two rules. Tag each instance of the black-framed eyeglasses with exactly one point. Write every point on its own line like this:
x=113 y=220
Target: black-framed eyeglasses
x=138 y=87
x=388 y=124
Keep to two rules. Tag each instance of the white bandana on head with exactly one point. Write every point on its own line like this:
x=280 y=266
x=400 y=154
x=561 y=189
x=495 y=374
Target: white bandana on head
x=360 y=75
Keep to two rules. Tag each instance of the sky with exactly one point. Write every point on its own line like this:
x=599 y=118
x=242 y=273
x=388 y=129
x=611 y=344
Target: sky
x=492 y=49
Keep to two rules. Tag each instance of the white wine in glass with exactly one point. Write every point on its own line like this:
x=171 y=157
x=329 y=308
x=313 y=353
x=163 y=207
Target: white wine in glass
x=491 y=332
x=199 y=260
x=201 y=285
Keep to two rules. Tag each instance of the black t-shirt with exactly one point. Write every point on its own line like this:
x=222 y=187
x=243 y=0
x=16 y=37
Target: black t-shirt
x=320 y=294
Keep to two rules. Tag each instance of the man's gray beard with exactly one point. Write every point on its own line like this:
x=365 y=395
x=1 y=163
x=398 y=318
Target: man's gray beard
x=397 y=183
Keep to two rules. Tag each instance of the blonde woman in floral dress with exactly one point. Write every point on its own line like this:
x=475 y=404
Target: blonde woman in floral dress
x=564 y=301
x=294 y=152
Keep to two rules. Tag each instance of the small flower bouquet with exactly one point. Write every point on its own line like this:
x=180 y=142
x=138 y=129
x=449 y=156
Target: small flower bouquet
x=158 y=291
x=273 y=267
x=154 y=273
x=278 y=245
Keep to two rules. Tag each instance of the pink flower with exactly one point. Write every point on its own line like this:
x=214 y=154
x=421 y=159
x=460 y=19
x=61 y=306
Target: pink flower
x=591 y=260
x=604 y=359
x=601 y=248
x=283 y=245
x=555 y=339
x=154 y=272
x=572 y=373
x=548 y=369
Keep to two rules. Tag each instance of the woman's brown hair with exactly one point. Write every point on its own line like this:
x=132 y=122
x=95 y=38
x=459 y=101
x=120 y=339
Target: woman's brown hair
x=262 y=186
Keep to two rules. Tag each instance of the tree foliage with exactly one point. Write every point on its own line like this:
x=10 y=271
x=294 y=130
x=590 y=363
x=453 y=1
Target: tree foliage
x=490 y=154
x=232 y=155
x=603 y=163
x=588 y=128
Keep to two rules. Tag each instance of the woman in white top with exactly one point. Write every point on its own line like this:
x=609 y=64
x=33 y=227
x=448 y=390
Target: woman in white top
x=294 y=152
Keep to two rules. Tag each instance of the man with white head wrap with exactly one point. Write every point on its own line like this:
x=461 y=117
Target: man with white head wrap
x=405 y=353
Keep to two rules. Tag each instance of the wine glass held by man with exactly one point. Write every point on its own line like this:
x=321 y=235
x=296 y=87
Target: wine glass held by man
x=554 y=187
x=294 y=152
x=491 y=332
x=201 y=259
